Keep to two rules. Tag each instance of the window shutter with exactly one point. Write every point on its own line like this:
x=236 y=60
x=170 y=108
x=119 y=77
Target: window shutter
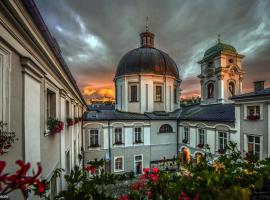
x=261 y=111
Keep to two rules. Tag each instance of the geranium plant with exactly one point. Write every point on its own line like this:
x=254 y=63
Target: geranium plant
x=253 y=117
x=54 y=125
x=21 y=180
x=70 y=121
x=7 y=138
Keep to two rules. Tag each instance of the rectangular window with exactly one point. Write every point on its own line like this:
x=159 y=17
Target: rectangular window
x=51 y=104
x=138 y=135
x=138 y=164
x=119 y=164
x=186 y=135
x=118 y=136
x=222 y=140
x=94 y=138
x=254 y=146
x=133 y=93
x=67 y=109
x=67 y=162
x=201 y=137
x=158 y=96
x=253 y=111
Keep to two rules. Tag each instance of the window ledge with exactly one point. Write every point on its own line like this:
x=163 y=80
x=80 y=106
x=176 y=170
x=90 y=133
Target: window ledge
x=119 y=170
x=118 y=144
x=94 y=146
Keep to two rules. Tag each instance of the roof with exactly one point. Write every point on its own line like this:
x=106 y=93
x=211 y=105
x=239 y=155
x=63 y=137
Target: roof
x=33 y=11
x=100 y=106
x=105 y=115
x=212 y=112
x=147 y=60
x=260 y=93
x=100 y=115
x=217 y=48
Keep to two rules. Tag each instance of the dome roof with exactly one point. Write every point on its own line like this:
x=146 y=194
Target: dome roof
x=216 y=49
x=145 y=60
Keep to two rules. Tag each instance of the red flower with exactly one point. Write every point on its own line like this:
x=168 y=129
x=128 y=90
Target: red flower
x=123 y=197
x=154 y=177
x=146 y=170
x=183 y=196
x=149 y=195
x=2 y=177
x=91 y=169
x=155 y=170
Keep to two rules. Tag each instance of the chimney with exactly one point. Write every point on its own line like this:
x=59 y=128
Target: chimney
x=258 y=85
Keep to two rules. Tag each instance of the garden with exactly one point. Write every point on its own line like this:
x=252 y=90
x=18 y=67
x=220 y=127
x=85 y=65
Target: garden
x=231 y=176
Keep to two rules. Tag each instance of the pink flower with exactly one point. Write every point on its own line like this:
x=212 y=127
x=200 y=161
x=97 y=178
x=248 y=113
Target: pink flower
x=91 y=169
x=154 y=177
x=155 y=170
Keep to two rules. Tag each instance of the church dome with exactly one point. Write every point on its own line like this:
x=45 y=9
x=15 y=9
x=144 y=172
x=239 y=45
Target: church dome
x=147 y=60
x=216 y=49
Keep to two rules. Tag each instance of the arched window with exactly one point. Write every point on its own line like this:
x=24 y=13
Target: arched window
x=165 y=128
x=232 y=88
x=210 y=90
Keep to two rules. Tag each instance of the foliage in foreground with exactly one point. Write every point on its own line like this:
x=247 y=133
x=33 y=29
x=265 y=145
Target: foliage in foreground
x=231 y=176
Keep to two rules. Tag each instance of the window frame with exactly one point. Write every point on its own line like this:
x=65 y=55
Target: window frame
x=131 y=98
x=114 y=164
x=199 y=136
x=98 y=138
x=135 y=161
x=254 y=144
x=168 y=129
x=116 y=142
x=141 y=135
x=186 y=134
x=158 y=98
x=223 y=139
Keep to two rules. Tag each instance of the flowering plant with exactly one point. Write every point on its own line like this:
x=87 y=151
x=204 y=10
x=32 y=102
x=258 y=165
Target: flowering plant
x=7 y=138
x=200 y=145
x=221 y=151
x=70 y=121
x=20 y=180
x=54 y=125
x=76 y=120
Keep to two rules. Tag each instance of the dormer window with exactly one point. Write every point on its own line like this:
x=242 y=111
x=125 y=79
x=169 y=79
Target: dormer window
x=253 y=112
x=210 y=90
x=165 y=128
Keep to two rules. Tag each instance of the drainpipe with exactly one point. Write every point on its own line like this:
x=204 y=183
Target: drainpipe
x=109 y=132
x=177 y=136
x=82 y=136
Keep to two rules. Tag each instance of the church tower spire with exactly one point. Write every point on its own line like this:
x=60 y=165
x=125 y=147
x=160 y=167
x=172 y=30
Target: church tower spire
x=147 y=38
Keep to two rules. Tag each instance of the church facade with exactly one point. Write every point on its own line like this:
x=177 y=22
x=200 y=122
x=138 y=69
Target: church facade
x=148 y=125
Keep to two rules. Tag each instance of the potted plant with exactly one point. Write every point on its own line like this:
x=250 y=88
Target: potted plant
x=7 y=138
x=70 y=121
x=76 y=120
x=200 y=145
x=253 y=117
x=185 y=141
x=54 y=125
x=221 y=151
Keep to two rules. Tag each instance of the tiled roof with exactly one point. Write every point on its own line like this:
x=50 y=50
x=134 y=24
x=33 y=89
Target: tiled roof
x=261 y=93
x=100 y=115
x=213 y=112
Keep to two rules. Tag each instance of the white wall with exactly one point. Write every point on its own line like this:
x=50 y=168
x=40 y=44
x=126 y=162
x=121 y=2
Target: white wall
x=32 y=120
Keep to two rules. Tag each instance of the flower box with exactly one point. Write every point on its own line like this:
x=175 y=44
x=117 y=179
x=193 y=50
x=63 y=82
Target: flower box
x=76 y=120
x=70 y=122
x=185 y=141
x=54 y=125
x=253 y=117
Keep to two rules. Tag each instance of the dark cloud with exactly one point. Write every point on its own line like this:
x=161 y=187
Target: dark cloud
x=94 y=34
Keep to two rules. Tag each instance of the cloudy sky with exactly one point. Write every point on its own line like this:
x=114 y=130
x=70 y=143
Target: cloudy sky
x=94 y=34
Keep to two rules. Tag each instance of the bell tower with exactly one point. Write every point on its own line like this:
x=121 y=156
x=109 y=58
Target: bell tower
x=221 y=74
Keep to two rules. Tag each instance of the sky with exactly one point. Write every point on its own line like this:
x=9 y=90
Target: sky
x=94 y=34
